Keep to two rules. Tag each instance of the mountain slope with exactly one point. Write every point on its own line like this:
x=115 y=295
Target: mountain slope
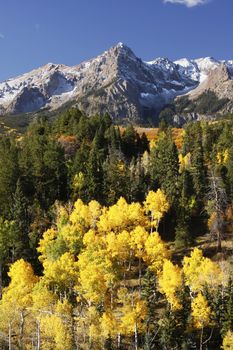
x=116 y=82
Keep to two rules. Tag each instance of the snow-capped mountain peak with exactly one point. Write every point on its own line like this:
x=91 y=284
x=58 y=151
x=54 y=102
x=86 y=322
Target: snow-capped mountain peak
x=117 y=82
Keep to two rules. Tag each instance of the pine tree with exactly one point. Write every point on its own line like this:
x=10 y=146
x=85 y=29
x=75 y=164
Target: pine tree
x=9 y=173
x=183 y=236
x=20 y=215
x=116 y=178
x=94 y=175
x=168 y=331
x=164 y=167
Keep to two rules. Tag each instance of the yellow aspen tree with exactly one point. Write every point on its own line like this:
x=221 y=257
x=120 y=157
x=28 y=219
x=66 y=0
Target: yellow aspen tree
x=95 y=211
x=89 y=330
x=170 y=282
x=222 y=157
x=119 y=250
x=134 y=312
x=43 y=303
x=78 y=182
x=155 y=252
x=201 y=314
x=121 y=216
x=17 y=298
x=156 y=205
x=96 y=274
x=200 y=271
x=62 y=272
x=80 y=214
x=48 y=239
x=118 y=245
x=138 y=239
x=56 y=329
x=109 y=324
x=228 y=341
x=184 y=162
x=145 y=161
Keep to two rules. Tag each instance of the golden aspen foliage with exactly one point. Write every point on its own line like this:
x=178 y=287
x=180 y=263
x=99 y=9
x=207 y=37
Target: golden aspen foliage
x=119 y=245
x=170 y=282
x=96 y=274
x=109 y=325
x=62 y=216
x=17 y=300
x=200 y=271
x=56 y=327
x=122 y=216
x=138 y=239
x=62 y=272
x=80 y=214
x=54 y=334
x=184 y=162
x=222 y=157
x=95 y=212
x=145 y=161
x=152 y=144
x=43 y=300
x=134 y=312
x=78 y=182
x=228 y=341
x=201 y=312
x=85 y=216
x=22 y=282
x=89 y=329
x=155 y=252
x=91 y=238
x=156 y=205
x=48 y=239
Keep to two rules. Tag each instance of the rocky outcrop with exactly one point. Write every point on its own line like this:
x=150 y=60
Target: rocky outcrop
x=220 y=82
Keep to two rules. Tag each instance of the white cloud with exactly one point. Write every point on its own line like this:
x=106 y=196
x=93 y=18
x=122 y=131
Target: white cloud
x=2 y=36
x=188 y=3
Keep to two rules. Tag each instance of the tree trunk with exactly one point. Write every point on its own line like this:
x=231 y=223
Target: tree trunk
x=201 y=339
x=119 y=340
x=219 y=247
x=136 y=337
x=9 y=336
x=38 y=335
x=140 y=274
x=21 y=330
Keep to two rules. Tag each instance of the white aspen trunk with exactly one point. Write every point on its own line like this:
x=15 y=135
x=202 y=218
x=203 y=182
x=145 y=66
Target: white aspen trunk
x=140 y=274
x=21 y=330
x=136 y=337
x=9 y=337
x=118 y=340
x=38 y=335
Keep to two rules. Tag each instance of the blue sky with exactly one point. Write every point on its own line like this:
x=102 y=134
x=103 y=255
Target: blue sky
x=35 y=32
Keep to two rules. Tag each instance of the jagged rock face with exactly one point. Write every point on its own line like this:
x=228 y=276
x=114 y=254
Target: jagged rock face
x=116 y=82
x=220 y=82
x=28 y=100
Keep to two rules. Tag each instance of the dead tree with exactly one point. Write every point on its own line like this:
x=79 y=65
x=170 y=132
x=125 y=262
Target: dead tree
x=217 y=204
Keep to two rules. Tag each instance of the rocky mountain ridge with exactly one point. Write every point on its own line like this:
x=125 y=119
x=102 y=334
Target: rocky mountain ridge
x=116 y=82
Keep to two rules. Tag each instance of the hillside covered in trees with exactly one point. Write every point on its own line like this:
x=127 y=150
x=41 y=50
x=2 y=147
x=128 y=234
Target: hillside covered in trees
x=101 y=232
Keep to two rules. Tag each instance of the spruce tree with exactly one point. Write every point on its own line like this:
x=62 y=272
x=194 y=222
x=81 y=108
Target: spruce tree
x=164 y=167
x=20 y=215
